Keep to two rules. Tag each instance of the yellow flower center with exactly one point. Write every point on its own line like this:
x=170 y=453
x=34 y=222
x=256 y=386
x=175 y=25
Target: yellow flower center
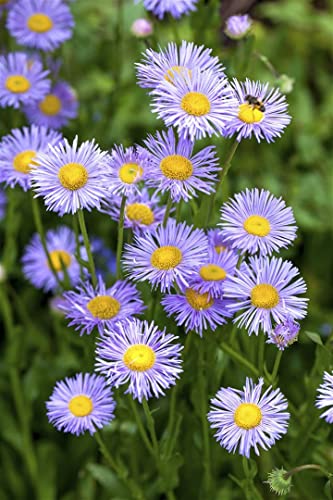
x=18 y=84
x=176 y=167
x=195 y=103
x=249 y=114
x=39 y=23
x=3 y=2
x=130 y=172
x=103 y=307
x=247 y=416
x=141 y=213
x=50 y=105
x=60 y=258
x=139 y=357
x=73 y=176
x=220 y=248
x=166 y=257
x=257 y=225
x=198 y=300
x=212 y=272
x=264 y=296
x=23 y=161
x=81 y=406
x=179 y=70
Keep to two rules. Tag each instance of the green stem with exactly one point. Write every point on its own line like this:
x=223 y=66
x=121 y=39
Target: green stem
x=86 y=241
x=120 y=236
x=167 y=210
x=250 y=486
x=236 y=356
x=141 y=428
x=300 y=468
x=178 y=210
x=276 y=366
x=151 y=428
x=261 y=354
x=77 y=244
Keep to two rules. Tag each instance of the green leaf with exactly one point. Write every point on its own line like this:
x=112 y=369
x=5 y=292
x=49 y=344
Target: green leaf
x=107 y=478
x=315 y=337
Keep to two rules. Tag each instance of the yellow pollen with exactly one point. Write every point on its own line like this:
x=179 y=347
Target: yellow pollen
x=103 y=307
x=73 y=176
x=18 y=84
x=81 y=406
x=130 y=172
x=264 y=296
x=257 y=225
x=139 y=357
x=249 y=114
x=140 y=212
x=40 y=23
x=166 y=257
x=50 y=105
x=176 y=167
x=198 y=300
x=23 y=161
x=195 y=103
x=60 y=258
x=176 y=70
x=212 y=272
x=220 y=248
x=247 y=416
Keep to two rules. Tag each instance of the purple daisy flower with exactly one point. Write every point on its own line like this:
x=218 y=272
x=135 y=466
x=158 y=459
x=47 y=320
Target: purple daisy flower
x=22 y=80
x=138 y=352
x=71 y=177
x=40 y=24
x=61 y=246
x=238 y=26
x=257 y=221
x=248 y=419
x=197 y=105
x=196 y=311
x=217 y=240
x=166 y=256
x=56 y=109
x=159 y=66
x=88 y=307
x=264 y=289
x=284 y=334
x=325 y=397
x=105 y=258
x=142 y=210
x=81 y=403
x=142 y=28
x=261 y=112
x=175 y=8
x=126 y=169
x=3 y=202
x=174 y=168
x=18 y=152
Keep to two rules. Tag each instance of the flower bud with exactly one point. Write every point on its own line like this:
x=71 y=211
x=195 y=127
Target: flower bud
x=238 y=26
x=278 y=483
x=142 y=28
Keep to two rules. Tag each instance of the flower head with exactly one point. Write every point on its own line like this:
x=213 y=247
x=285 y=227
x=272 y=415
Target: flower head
x=175 y=8
x=262 y=112
x=138 y=352
x=81 y=403
x=284 y=334
x=173 y=167
x=266 y=292
x=126 y=169
x=257 y=221
x=198 y=105
x=88 y=307
x=71 y=177
x=142 y=28
x=18 y=152
x=22 y=80
x=238 y=26
x=40 y=24
x=248 y=419
x=325 y=397
x=217 y=241
x=56 y=109
x=165 y=256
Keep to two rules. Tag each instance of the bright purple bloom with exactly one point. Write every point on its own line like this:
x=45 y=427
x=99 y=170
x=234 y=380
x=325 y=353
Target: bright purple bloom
x=3 y=202
x=175 y=8
x=217 y=240
x=126 y=169
x=238 y=26
x=284 y=334
x=325 y=397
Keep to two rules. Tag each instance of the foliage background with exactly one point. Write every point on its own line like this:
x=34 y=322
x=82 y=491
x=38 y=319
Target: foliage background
x=297 y=37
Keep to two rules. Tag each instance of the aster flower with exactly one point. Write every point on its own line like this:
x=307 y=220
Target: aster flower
x=5 y=4
x=174 y=168
x=142 y=210
x=262 y=112
x=238 y=26
x=157 y=67
x=196 y=311
x=88 y=307
x=61 y=246
x=40 y=24
x=3 y=202
x=248 y=419
x=166 y=256
x=217 y=241
x=56 y=109
x=325 y=397
x=265 y=290
x=138 y=352
x=284 y=334
x=71 y=177
x=18 y=152
x=142 y=28
x=197 y=105
x=126 y=169
x=81 y=403
x=175 y=8
x=22 y=80
x=257 y=221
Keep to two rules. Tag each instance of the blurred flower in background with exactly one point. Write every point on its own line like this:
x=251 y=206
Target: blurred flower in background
x=238 y=26
x=142 y=28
